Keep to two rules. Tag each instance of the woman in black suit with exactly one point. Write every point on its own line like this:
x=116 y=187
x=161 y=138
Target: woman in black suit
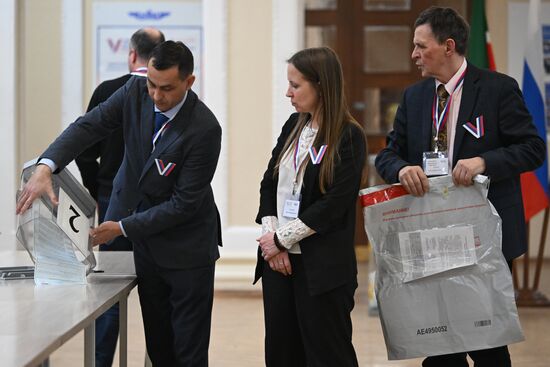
x=306 y=257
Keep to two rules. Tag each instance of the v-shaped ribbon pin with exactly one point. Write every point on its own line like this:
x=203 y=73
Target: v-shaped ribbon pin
x=477 y=130
x=164 y=170
x=317 y=157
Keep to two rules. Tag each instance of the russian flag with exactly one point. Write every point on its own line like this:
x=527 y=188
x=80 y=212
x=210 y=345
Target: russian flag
x=534 y=185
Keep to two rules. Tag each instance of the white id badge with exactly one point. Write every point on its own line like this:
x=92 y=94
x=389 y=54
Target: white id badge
x=292 y=207
x=435 y=163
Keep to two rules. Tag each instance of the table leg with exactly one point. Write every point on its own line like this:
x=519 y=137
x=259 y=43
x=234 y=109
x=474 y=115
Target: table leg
x=123 y=333
x=89 y=345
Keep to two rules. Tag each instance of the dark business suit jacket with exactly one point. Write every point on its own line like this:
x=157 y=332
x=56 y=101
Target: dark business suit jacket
x=329 y=254
x=174 y=215
x=509 y=147
x=98 y=177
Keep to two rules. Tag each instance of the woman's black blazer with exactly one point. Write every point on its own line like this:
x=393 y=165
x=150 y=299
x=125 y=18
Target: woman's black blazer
x=328 y=255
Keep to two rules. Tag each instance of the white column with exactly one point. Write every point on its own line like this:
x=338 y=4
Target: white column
x=237 y=240
x=236 y=266
x=214 y=20
x=288 y=37
x=72 y=83
x=8 y=138
x=72 y=38
x=288 y=15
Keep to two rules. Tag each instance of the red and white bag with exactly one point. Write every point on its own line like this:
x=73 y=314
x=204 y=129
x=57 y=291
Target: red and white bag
x=442 y=284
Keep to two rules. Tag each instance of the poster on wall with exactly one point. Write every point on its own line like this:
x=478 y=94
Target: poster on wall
x=114 y=23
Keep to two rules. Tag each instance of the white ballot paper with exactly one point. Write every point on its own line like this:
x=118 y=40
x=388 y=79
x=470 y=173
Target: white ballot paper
x=433 y=251
x=56 y=260
x=442 y=283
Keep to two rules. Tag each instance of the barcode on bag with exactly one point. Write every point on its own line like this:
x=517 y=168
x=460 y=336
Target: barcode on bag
x=482 y=323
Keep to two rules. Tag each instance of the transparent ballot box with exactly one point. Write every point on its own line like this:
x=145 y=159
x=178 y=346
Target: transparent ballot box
x=57 y=237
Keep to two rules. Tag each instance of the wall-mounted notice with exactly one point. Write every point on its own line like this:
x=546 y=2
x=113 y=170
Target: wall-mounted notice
x=114 y=23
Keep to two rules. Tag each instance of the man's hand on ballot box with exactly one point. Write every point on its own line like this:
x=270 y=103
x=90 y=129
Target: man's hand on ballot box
x=105 y=232
x=39 y=183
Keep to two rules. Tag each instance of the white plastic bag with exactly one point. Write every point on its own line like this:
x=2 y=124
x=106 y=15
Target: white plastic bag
x=443 y=285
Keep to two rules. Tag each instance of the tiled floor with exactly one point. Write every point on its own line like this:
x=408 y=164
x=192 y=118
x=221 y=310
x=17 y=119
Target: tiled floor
x=237 y=333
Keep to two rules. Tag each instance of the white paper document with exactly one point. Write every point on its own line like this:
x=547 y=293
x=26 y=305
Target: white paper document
x=56 y=261
x=433 y=251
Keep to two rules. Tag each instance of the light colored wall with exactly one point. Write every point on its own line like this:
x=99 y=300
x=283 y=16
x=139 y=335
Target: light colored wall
x=8 y=138
x=497 y=22
x=249 y=104
x=39 y=76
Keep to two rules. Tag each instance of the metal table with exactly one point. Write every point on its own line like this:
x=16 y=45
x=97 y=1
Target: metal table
x=36 y=320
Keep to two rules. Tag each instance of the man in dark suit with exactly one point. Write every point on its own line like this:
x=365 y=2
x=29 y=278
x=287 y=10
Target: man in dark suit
x=162 y=199
x=476 y=123
x=98 y=176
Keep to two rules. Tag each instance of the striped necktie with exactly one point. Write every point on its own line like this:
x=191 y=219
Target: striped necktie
x=441 y=142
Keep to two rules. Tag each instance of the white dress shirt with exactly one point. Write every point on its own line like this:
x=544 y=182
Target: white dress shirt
x=454 y=108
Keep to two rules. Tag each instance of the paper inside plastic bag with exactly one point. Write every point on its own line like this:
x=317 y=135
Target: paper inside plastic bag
x=433 y=251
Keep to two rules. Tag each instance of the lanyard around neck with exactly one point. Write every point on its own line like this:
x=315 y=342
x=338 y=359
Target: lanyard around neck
x=440 y=118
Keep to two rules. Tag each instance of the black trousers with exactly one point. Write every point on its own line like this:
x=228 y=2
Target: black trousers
x=493 y=357
x=304 y=330
x=176 y=307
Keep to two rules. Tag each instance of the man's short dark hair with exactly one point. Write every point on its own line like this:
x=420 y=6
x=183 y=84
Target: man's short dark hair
x=144 y=41
x=446 y=23
x=169 y=54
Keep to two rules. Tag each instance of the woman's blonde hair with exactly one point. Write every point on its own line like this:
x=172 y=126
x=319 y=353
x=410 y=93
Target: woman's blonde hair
x=321 y=67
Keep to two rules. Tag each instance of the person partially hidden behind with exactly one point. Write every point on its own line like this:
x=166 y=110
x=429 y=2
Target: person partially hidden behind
x=306 y=257
x=467 y=121
x=162 y=198
x=98 y=177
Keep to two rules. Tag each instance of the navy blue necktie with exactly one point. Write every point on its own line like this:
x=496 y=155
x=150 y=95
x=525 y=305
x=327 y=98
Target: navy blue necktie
x=160 y=119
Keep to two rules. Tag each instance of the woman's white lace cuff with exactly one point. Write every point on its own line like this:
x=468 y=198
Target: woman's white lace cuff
x=269 y=224
x=293 y=232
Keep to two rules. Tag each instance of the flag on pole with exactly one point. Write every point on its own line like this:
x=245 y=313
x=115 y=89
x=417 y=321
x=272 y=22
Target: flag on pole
x=534 y=184
x=480 y=50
